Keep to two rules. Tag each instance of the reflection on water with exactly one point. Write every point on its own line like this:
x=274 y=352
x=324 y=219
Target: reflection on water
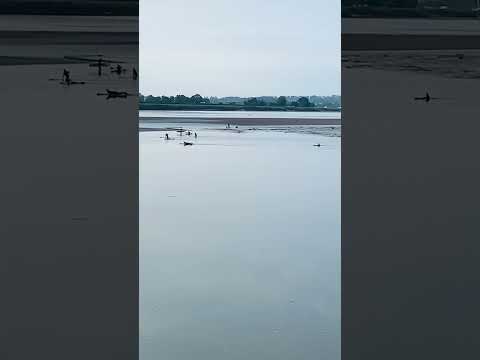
x=239 y=245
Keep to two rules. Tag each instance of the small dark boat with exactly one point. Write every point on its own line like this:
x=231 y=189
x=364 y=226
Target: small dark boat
x=186 y=143
x=317 y=145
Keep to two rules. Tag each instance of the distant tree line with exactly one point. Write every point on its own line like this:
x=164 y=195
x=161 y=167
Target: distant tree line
x=409 y=8
x=333 y=101
x=280 y=101
x=382 y=3
x=196 y=99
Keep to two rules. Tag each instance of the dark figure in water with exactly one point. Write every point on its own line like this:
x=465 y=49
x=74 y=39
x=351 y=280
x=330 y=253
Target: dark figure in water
x=166 y=137
x=118 y=69
x=66 y=76
x=135 y=74
x=99 y=65
x=195 y=135
x=426 y=97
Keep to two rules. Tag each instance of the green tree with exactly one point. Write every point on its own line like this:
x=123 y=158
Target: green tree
x=196 y=99
x=282 y=101
x=303 y=102
x=181 y=99
x=166 y=100
x=254 y=102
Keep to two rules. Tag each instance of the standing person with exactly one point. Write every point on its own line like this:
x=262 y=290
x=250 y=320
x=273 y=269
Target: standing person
x=66 y=76
x=195 y=135
x=166 y=137
x=99 y=65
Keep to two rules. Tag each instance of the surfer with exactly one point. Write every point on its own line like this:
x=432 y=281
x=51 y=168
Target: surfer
x=135 y=74
x=166 y=137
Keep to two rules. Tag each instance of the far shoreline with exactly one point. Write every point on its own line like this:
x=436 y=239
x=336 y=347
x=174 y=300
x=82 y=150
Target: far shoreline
x=241 y=121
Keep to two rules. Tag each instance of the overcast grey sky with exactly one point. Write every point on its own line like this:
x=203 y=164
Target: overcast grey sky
x=240 y=48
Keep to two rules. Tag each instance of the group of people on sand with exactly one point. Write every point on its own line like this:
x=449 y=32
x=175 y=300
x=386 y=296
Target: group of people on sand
x=68 y=81
x=188 y=133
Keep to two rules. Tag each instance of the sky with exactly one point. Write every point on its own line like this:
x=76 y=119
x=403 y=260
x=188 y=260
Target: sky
x=240 y=48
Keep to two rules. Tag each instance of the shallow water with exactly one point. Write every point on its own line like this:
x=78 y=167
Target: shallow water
x=242 y=114
x=68 y=23
x=239 y=245
x=416 y=26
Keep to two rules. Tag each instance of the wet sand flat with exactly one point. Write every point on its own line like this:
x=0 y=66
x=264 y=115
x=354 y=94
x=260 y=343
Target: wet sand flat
x=67 y=37
x=34 y=60
x=409 y=42
x=244 y=121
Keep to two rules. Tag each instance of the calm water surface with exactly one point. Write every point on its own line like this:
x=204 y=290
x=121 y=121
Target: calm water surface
x=412 y=26
x=68 y=23
x=239 y=246
x=242 y=114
